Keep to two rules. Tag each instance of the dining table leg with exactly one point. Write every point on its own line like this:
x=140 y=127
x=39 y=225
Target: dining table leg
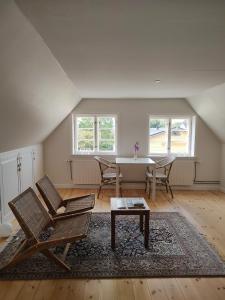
x=117 y=181
x=154 y=183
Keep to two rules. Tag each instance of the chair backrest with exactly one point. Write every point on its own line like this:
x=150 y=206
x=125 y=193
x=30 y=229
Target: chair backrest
x=166 y=163
x=49 y=194
x=104 y=164
x=30 y=213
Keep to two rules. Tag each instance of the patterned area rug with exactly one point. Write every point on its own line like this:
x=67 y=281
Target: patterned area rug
x=176 y=250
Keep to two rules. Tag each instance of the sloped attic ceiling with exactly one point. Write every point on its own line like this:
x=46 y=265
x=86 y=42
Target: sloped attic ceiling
x=108 y=49
x=118 y=48
x=210 y=105
x=114 y=49
x=35 y=93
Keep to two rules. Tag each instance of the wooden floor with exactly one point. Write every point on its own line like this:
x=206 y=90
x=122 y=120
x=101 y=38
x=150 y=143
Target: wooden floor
x=206 y=210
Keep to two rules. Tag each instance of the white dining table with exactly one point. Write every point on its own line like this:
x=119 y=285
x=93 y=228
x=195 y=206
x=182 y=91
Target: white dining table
x=136 y=161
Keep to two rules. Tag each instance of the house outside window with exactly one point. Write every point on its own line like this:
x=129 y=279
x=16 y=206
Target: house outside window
x=171 y=135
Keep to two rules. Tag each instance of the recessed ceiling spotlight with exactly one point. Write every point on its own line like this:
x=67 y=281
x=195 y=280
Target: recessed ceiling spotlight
x=157 y=81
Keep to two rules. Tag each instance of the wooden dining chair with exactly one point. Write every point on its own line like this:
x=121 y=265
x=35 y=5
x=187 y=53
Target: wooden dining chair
x=107 y=173
x=54 y=201
x=35 y=220
x=163 y=171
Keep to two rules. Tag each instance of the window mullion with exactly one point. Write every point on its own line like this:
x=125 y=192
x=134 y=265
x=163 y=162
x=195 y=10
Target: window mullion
x=169 y=137
x=96 y=134
x=190 y=136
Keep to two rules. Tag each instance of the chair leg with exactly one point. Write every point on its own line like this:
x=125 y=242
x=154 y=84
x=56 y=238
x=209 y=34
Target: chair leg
x=166 y=185
x=19 y=256
x=146 y=184
x=99 y=190
x=149 y=188
x=171 y=192
x=121 y=191
x=57 y=260
x=23 y=254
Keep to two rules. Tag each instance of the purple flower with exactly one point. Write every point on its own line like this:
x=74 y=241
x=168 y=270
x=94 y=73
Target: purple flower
x=136 y=147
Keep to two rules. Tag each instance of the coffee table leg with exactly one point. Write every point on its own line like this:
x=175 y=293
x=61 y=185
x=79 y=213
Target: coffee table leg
x=141 y=223
x=146 y=233
x=113 y=231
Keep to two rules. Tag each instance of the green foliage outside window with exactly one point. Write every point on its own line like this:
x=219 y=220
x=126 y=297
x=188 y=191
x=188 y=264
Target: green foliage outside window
x=85 y=146
x=86 y=134
x=157 y=123
x=85 y=122
x=98 y=131
x=106 y=145
x=106 y=122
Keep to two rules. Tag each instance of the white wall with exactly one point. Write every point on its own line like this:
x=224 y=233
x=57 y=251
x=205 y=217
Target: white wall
x=38 y=162
x=132 y=126
x=14 y=181
x=210 y=105
x=35 y=93
x=223 y=169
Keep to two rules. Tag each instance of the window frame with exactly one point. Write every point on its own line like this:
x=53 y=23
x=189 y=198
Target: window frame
x=96 y=134
x=191 y=146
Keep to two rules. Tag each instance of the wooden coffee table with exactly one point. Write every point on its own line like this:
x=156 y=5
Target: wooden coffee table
x=144 y=214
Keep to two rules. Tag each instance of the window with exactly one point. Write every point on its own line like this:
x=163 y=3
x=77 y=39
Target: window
x=95 y=134
x=170 y=135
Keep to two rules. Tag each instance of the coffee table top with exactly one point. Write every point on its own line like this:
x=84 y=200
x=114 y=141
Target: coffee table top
x=122 y=202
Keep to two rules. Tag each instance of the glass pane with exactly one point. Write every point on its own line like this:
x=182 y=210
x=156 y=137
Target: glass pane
x=158 y=135
x=106 y=146
x=106 y=122
x=180 y=136
x=106 y=134
x=85 y=134
x=85 y=122
x=85 y=146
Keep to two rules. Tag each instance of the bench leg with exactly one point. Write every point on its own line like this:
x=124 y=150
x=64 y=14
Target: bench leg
x=57 y=260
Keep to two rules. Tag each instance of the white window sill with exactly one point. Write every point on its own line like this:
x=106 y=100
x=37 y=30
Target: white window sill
x=94 y=154
x=184 y=157
x=91 y=154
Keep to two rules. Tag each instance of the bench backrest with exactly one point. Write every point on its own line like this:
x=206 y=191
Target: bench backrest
x=30 y=213
x=49 y=194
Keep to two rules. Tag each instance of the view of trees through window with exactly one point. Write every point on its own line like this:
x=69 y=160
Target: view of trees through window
x=85 y=134
x=95 y=134
x=98 y=134
x=106 y=133
x=169 y=135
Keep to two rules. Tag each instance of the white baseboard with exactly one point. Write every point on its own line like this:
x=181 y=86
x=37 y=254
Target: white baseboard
x=194 y=187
